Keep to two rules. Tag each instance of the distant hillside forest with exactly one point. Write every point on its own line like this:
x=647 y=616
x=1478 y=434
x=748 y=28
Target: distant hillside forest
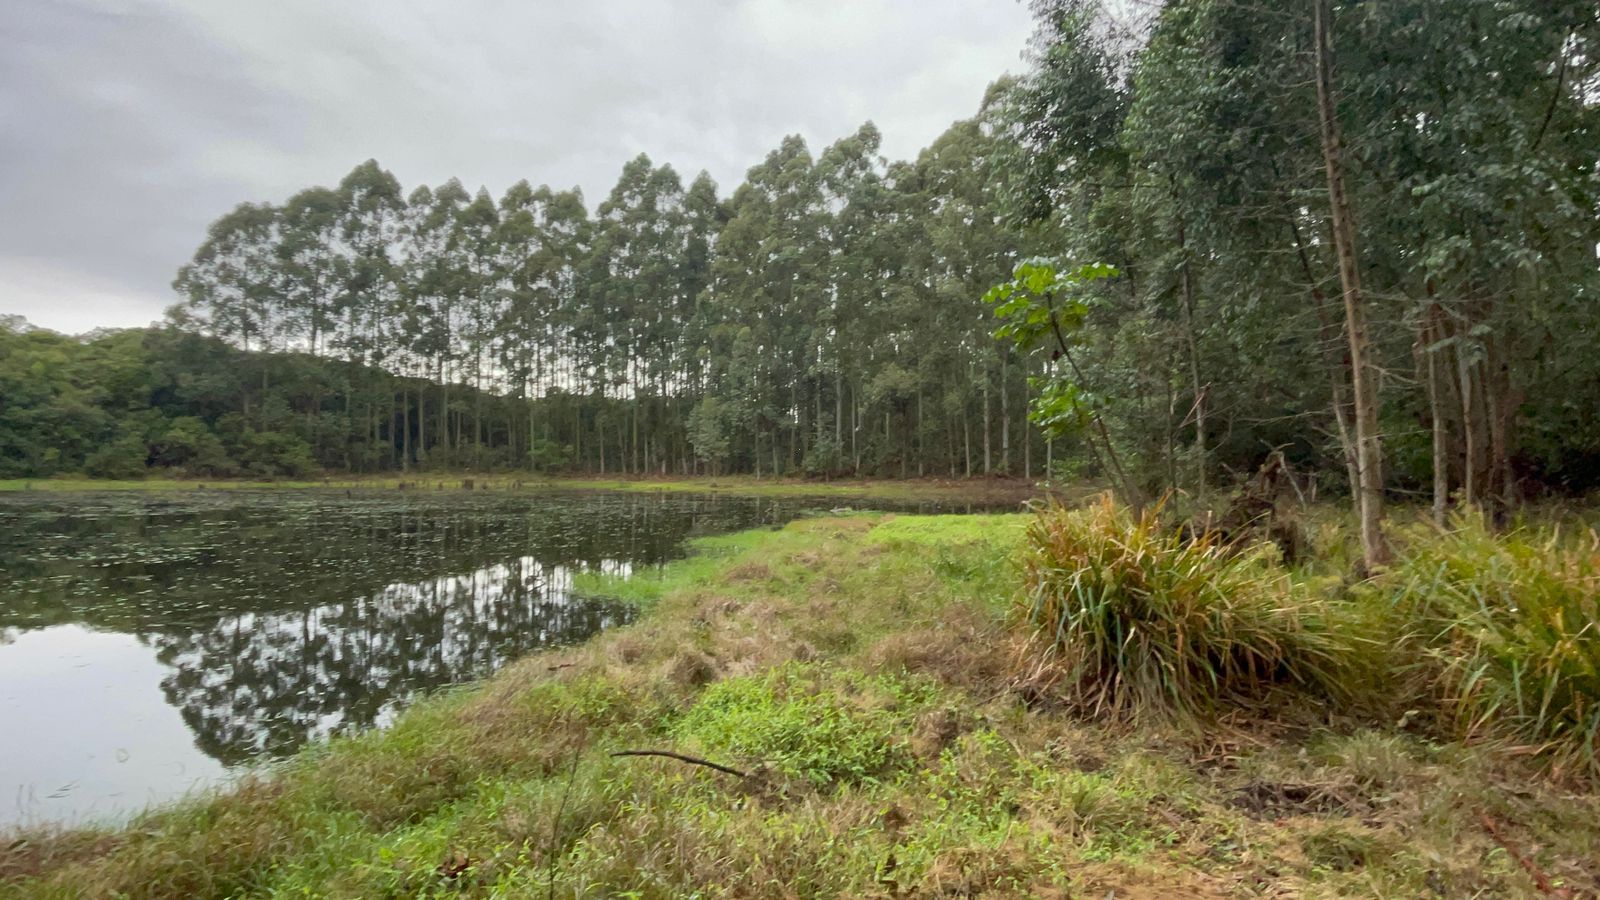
x=827 y=317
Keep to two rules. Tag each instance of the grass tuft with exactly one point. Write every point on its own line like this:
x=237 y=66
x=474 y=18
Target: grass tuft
x=1511 y=625
x=1127 y=617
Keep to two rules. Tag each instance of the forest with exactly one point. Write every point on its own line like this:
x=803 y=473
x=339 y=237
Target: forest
x=827 y=316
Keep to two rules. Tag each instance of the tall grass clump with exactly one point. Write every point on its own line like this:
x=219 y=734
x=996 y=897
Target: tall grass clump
x=1128 y=617
x=1511 y=625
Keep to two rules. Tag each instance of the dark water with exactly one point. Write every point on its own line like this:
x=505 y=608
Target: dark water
x=149 y=644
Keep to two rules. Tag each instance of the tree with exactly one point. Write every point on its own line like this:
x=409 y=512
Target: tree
x=1369 y=452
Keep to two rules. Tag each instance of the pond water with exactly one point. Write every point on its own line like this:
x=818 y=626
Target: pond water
x=152 y=644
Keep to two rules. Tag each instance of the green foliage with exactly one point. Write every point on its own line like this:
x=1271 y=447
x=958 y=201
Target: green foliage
x=708 y=426
x=792 y=720
x=124 y=457
x=191 y=447
x=1037 y=305
x=1128 y=616
x=826 y=457
x=548 y=456
x=1511 y=626
x=272 y=453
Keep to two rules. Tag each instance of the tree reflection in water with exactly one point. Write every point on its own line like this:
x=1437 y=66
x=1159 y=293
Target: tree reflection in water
x=254 y=684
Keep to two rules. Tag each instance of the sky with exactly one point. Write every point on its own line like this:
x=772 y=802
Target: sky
x=129 y=125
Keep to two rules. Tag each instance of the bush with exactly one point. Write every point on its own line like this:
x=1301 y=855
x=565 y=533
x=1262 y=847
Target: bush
x=550 y=456
x=126 y=457
x=189 y=445
x=1511 y=626
x=272 y=453
x=825 y=458
x=1127 y=617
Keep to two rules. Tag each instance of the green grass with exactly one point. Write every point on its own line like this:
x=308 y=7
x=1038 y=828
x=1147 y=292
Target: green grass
x=862 y=671
x=707 y=558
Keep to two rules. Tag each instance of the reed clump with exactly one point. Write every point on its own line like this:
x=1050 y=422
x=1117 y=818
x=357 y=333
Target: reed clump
x=1128 y=617
x=1509 y=628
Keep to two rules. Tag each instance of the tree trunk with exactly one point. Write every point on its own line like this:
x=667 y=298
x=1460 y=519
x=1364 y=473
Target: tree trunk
x=988 y=459
x=1469 y=425
x=1193 y=345
x=1338 y=364
x=1369 y=450
x=1005 y=415
x=1432 y=332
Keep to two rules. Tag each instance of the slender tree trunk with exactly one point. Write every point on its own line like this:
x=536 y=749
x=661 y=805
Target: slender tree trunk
x=1193 y=344
x=1503 y=423
x=1338 y=362
x=1369 y=450
x=988 y=458
x=922 y=451
x=1027 y=433
x=1431 y=333
x=966 y=441
x=1005 y=413
x=838 y=407
x=405 y=429
x=1469 y=426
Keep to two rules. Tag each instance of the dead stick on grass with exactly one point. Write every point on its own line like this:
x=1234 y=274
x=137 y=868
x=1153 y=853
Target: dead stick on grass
x=1540 y=879
x=691 y=760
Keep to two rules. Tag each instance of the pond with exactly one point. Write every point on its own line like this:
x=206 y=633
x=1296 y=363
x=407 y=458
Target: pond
x=151 y=644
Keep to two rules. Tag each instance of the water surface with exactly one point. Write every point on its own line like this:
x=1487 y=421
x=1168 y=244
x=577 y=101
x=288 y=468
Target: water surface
x=150 y=644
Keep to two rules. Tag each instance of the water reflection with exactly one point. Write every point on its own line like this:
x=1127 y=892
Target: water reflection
x=264 y=620
x=265 y=683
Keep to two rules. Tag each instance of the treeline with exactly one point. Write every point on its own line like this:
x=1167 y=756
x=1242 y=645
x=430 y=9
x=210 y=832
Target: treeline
x=825 y=317
x=822 y=319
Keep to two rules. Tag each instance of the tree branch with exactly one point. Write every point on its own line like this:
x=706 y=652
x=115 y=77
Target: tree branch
x=691 y=760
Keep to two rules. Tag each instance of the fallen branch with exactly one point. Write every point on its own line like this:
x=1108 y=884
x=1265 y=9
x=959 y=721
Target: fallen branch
x=691 y=760
x=1540 y=879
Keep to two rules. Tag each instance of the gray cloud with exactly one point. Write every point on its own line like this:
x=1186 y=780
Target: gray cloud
x=131 y=124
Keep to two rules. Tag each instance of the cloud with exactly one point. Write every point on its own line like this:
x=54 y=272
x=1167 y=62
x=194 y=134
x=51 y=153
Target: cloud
x=134 y=123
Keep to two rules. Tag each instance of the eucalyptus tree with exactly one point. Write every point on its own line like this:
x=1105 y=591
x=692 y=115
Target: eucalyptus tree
x=771 y=273
x=231 y=288
x=475 y=259
x=858 y=199
x=969 y=247
x=372 y=210
x=639 y=304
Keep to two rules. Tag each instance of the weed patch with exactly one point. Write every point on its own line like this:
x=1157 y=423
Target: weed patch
x=807 y=722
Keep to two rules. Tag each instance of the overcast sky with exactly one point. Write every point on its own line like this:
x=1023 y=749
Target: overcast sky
x=128 y=125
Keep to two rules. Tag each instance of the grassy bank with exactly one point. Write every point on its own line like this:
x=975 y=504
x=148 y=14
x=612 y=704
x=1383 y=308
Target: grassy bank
x=998 y=490
x=860 y=677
